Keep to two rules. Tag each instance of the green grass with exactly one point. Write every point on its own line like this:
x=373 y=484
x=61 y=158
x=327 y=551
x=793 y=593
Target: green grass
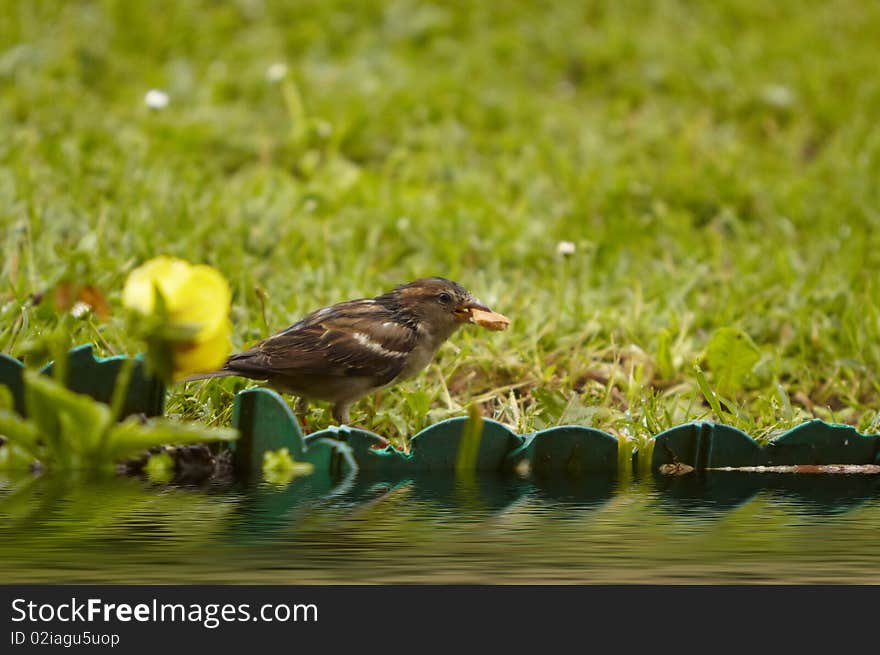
x=715 y=164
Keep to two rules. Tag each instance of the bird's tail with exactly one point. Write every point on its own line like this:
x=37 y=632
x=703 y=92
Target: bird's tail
x=223 y=372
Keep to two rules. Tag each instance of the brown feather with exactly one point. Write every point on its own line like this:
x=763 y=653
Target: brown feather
x=334 y=343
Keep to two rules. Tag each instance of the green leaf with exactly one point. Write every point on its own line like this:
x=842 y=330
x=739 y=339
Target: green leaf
x=664 y=355
x=20 y=434
x=18 y=430
x=160 y=467
x=67 y=430
x=469 y=446
x=710 y=396
x=70 y=422
x=41 y=409
x=552 y=403
x=279 y=467
x=731 y=354
x=131 y=437
x=6 y=400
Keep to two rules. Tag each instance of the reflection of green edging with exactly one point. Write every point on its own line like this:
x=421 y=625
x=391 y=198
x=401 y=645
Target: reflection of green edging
x=715 y=492
x=95 y=377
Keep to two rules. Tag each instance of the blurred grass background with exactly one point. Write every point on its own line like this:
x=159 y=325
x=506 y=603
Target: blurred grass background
x=715 y=166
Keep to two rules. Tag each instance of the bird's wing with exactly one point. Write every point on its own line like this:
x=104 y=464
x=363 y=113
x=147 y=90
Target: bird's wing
x=354 y=339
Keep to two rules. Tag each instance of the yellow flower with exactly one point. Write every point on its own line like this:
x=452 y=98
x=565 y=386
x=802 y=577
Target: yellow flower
x=198 y=357
x=196 y=300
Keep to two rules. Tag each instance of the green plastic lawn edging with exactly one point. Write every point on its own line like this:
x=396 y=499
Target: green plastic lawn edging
x=95 y=377
x=266 y=423
x=711 y=446
x=436 y=448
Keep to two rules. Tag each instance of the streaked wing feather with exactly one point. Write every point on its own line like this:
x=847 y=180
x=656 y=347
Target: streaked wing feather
x=357 y=338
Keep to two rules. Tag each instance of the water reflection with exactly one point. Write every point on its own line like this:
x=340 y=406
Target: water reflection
x=264 y=508
x=482 y=495
x=575 y=493
x=715 y=491
x=715 y=527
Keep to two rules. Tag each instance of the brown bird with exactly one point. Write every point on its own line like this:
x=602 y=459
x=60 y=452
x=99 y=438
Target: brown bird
x=343 y=352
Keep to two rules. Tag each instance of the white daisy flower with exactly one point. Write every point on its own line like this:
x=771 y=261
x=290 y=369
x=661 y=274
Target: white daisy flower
x=156 y=99
x=276 y=72
x=80 y=309
x=565 y=248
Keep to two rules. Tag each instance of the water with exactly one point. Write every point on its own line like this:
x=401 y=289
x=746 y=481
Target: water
x=724 y=527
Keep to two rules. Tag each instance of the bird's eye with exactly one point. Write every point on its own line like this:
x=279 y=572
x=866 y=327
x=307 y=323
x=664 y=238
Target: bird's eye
x=445 y=298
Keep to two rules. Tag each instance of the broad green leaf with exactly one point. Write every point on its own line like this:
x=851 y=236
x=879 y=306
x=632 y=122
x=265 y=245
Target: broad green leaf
x=41 y=409
x=13 y=458
x=6 y=400
x=20 y=433
x=160 y=467
x=551 y=402
x=731 y=354
x=279 y=467
x=67 y=430
x=71 y=422
x=131 y=437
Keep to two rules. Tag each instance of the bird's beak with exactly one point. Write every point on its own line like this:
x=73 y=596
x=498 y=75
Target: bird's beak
x=474 y=311
x=463 y=313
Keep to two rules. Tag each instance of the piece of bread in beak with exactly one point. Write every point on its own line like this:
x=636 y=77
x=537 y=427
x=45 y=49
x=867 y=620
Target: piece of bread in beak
x=490 y=320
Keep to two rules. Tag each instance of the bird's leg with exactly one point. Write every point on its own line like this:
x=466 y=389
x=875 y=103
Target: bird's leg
x=301 y=406
x=341 y=413
x=301 y=409
x=341 y=416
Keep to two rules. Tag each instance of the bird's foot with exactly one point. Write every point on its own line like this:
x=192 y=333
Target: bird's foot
x=301 y=411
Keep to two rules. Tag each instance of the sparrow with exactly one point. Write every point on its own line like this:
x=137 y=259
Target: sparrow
x=346 y=351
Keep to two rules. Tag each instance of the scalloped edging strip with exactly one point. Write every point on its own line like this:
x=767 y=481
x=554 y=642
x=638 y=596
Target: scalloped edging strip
x=712 y=445
x=559 y=451
x=436 y=448
x=11 y=376
x=95 y=377
x=267 y=423
x=568 y=449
